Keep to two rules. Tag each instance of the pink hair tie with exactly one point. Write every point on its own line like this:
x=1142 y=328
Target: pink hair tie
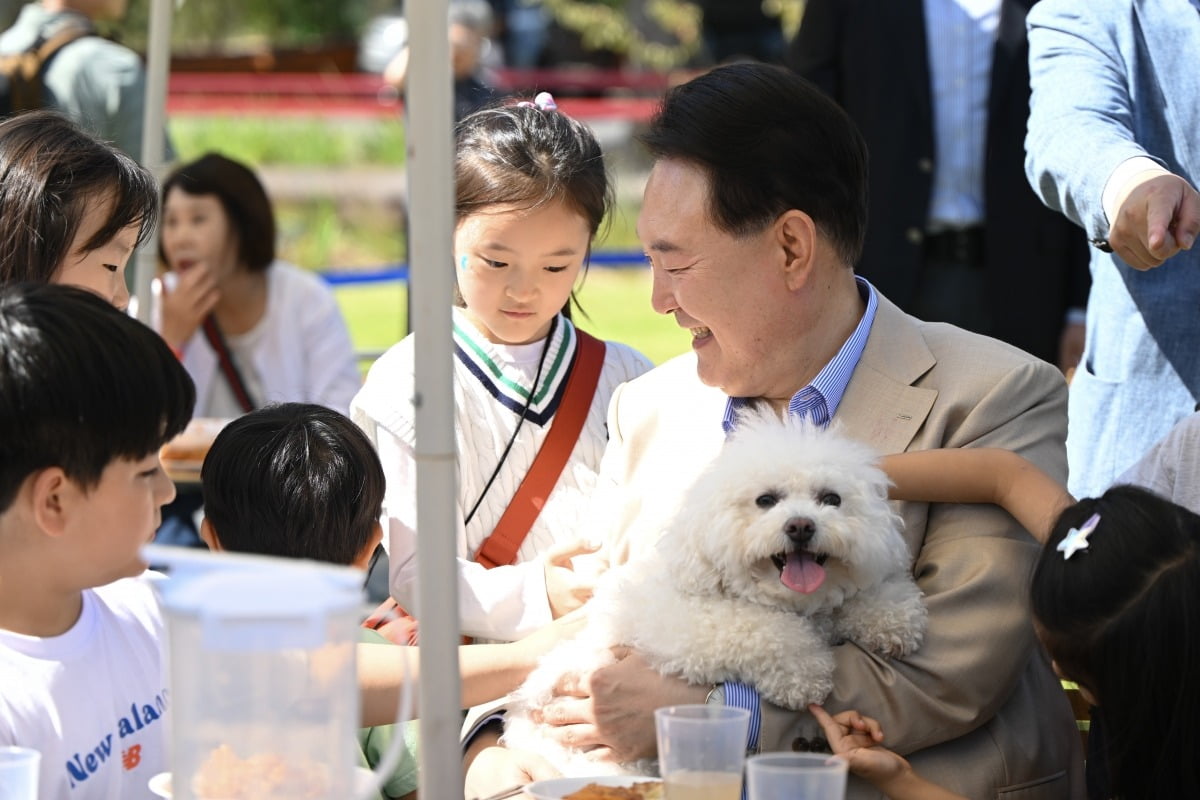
x=543 y=101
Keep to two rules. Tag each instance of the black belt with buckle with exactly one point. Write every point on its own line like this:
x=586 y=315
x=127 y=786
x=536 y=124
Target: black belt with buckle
x=957 y=246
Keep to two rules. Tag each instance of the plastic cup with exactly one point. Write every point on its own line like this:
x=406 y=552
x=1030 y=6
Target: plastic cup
x=19 y=773
x=796 y=776
x=701 y=750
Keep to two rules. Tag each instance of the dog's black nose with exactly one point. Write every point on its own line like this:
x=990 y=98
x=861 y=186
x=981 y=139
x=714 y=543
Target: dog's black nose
x=800 y=529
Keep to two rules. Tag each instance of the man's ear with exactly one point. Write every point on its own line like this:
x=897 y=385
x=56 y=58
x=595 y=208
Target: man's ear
x=208 y=535
x=53 y=497
x=796 y=234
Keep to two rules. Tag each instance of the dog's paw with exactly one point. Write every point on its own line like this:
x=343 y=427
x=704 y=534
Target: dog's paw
x=796 y=682
x=890 y=621
x=798 y=694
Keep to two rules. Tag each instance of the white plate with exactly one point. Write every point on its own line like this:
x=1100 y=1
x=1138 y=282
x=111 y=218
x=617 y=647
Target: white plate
x=160 y=784
x=557 y=788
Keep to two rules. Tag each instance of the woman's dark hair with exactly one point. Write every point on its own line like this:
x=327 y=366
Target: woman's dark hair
x=242 y=196
x=524 y=156
x=1122 y=619
x=769 y=141
x=81 y=384
x=296 y=480
x=51 y=172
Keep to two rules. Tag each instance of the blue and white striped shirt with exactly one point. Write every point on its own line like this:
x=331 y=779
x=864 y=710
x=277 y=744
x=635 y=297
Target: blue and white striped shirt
x=818 y=402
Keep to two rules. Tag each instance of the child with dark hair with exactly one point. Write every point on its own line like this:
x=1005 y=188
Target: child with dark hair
x=1115 y=598
x=87 y=397
x=531 y=193
x=74 y=207
x=302 y=481
x=296 y=480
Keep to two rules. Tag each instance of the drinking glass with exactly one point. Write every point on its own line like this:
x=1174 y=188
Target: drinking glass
x=701 y=750
x=19 y=773
x=796 y=776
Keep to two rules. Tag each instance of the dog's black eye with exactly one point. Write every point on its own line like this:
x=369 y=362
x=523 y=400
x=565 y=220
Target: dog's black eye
x=768 y=500
x=831 y=499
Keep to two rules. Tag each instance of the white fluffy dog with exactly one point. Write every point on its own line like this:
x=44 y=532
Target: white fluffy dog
x=783 y=546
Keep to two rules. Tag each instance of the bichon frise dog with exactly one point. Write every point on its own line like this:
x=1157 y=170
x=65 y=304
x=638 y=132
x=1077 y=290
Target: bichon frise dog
x=784 y=546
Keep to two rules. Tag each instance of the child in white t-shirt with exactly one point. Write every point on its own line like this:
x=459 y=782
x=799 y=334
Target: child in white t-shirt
x=87 y=397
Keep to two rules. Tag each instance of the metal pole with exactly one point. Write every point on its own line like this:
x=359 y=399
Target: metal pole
x=431 y=226
x=154 y=118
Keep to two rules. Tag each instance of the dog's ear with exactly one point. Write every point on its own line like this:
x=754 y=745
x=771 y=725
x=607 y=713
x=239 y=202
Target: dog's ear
x=679 y=551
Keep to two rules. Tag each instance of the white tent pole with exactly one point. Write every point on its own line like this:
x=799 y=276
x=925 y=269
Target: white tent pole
x=431 y=225
x=154 y=117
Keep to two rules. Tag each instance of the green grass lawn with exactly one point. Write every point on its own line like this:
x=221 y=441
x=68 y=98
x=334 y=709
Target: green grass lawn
x=617 y=302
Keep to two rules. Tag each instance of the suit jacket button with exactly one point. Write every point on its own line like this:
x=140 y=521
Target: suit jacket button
x=925 y=165
x=914 y=235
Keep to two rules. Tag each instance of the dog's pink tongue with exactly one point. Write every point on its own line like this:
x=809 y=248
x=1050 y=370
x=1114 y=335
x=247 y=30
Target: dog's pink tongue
x=801 y=573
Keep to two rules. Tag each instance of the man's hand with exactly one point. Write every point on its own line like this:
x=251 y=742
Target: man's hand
x=611 y=710
x=1158 y=214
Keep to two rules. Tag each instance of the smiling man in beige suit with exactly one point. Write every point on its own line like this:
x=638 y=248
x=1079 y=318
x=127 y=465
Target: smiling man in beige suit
x=753 y=217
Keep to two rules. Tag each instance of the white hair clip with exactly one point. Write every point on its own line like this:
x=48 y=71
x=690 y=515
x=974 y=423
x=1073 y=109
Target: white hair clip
x=1077 y=538
x=543 y=101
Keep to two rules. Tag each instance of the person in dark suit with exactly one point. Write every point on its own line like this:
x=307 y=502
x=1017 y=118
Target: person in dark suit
x=940 y=91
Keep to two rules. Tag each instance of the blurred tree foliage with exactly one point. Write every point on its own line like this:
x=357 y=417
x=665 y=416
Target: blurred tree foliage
x=657 y=34
x=221 y=25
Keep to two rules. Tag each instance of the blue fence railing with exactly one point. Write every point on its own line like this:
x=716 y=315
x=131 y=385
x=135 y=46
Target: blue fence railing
x=398 y=272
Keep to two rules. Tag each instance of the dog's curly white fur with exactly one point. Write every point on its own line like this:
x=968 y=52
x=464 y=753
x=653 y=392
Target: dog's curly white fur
x=784 y=546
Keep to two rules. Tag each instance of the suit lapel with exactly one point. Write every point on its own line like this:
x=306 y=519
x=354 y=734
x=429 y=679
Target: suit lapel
x=1173 y=52
x=882 y=406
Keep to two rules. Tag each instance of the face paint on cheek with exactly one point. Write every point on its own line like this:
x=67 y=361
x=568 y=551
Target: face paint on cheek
x=462 y=263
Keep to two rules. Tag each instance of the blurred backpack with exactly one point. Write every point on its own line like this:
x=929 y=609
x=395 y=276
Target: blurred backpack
x=21 y=73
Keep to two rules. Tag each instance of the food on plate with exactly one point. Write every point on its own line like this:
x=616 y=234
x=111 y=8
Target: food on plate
x=647 y=790
x=192 y=445
x=226 y=776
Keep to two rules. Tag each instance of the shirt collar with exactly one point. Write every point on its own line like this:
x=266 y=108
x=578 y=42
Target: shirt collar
x=819 y=400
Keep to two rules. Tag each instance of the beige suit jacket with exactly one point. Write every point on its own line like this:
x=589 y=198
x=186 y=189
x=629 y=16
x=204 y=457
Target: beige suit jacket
x=977 y=708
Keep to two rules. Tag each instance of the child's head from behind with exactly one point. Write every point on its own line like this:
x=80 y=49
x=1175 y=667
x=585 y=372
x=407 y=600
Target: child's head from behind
x=531 y=193
x=74 y=208
x=215 y=210
x=296 y=480
x=1122 y=619
x=87 y=397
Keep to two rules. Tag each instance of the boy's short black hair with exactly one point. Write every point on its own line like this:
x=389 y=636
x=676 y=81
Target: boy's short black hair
x=81 y=384
x=296 y=480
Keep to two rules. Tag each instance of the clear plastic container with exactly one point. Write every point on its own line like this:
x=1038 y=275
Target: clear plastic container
x=264 y=694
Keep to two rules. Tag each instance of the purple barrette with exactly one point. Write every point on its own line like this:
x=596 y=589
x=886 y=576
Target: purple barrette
x=1077 y=538
x=543 y=101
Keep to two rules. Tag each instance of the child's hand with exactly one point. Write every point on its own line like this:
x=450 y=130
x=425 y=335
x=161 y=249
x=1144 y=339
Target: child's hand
x=186 y=301
x=566 y=589
x=497 y=768
x=856 y=738
x=543 y=640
